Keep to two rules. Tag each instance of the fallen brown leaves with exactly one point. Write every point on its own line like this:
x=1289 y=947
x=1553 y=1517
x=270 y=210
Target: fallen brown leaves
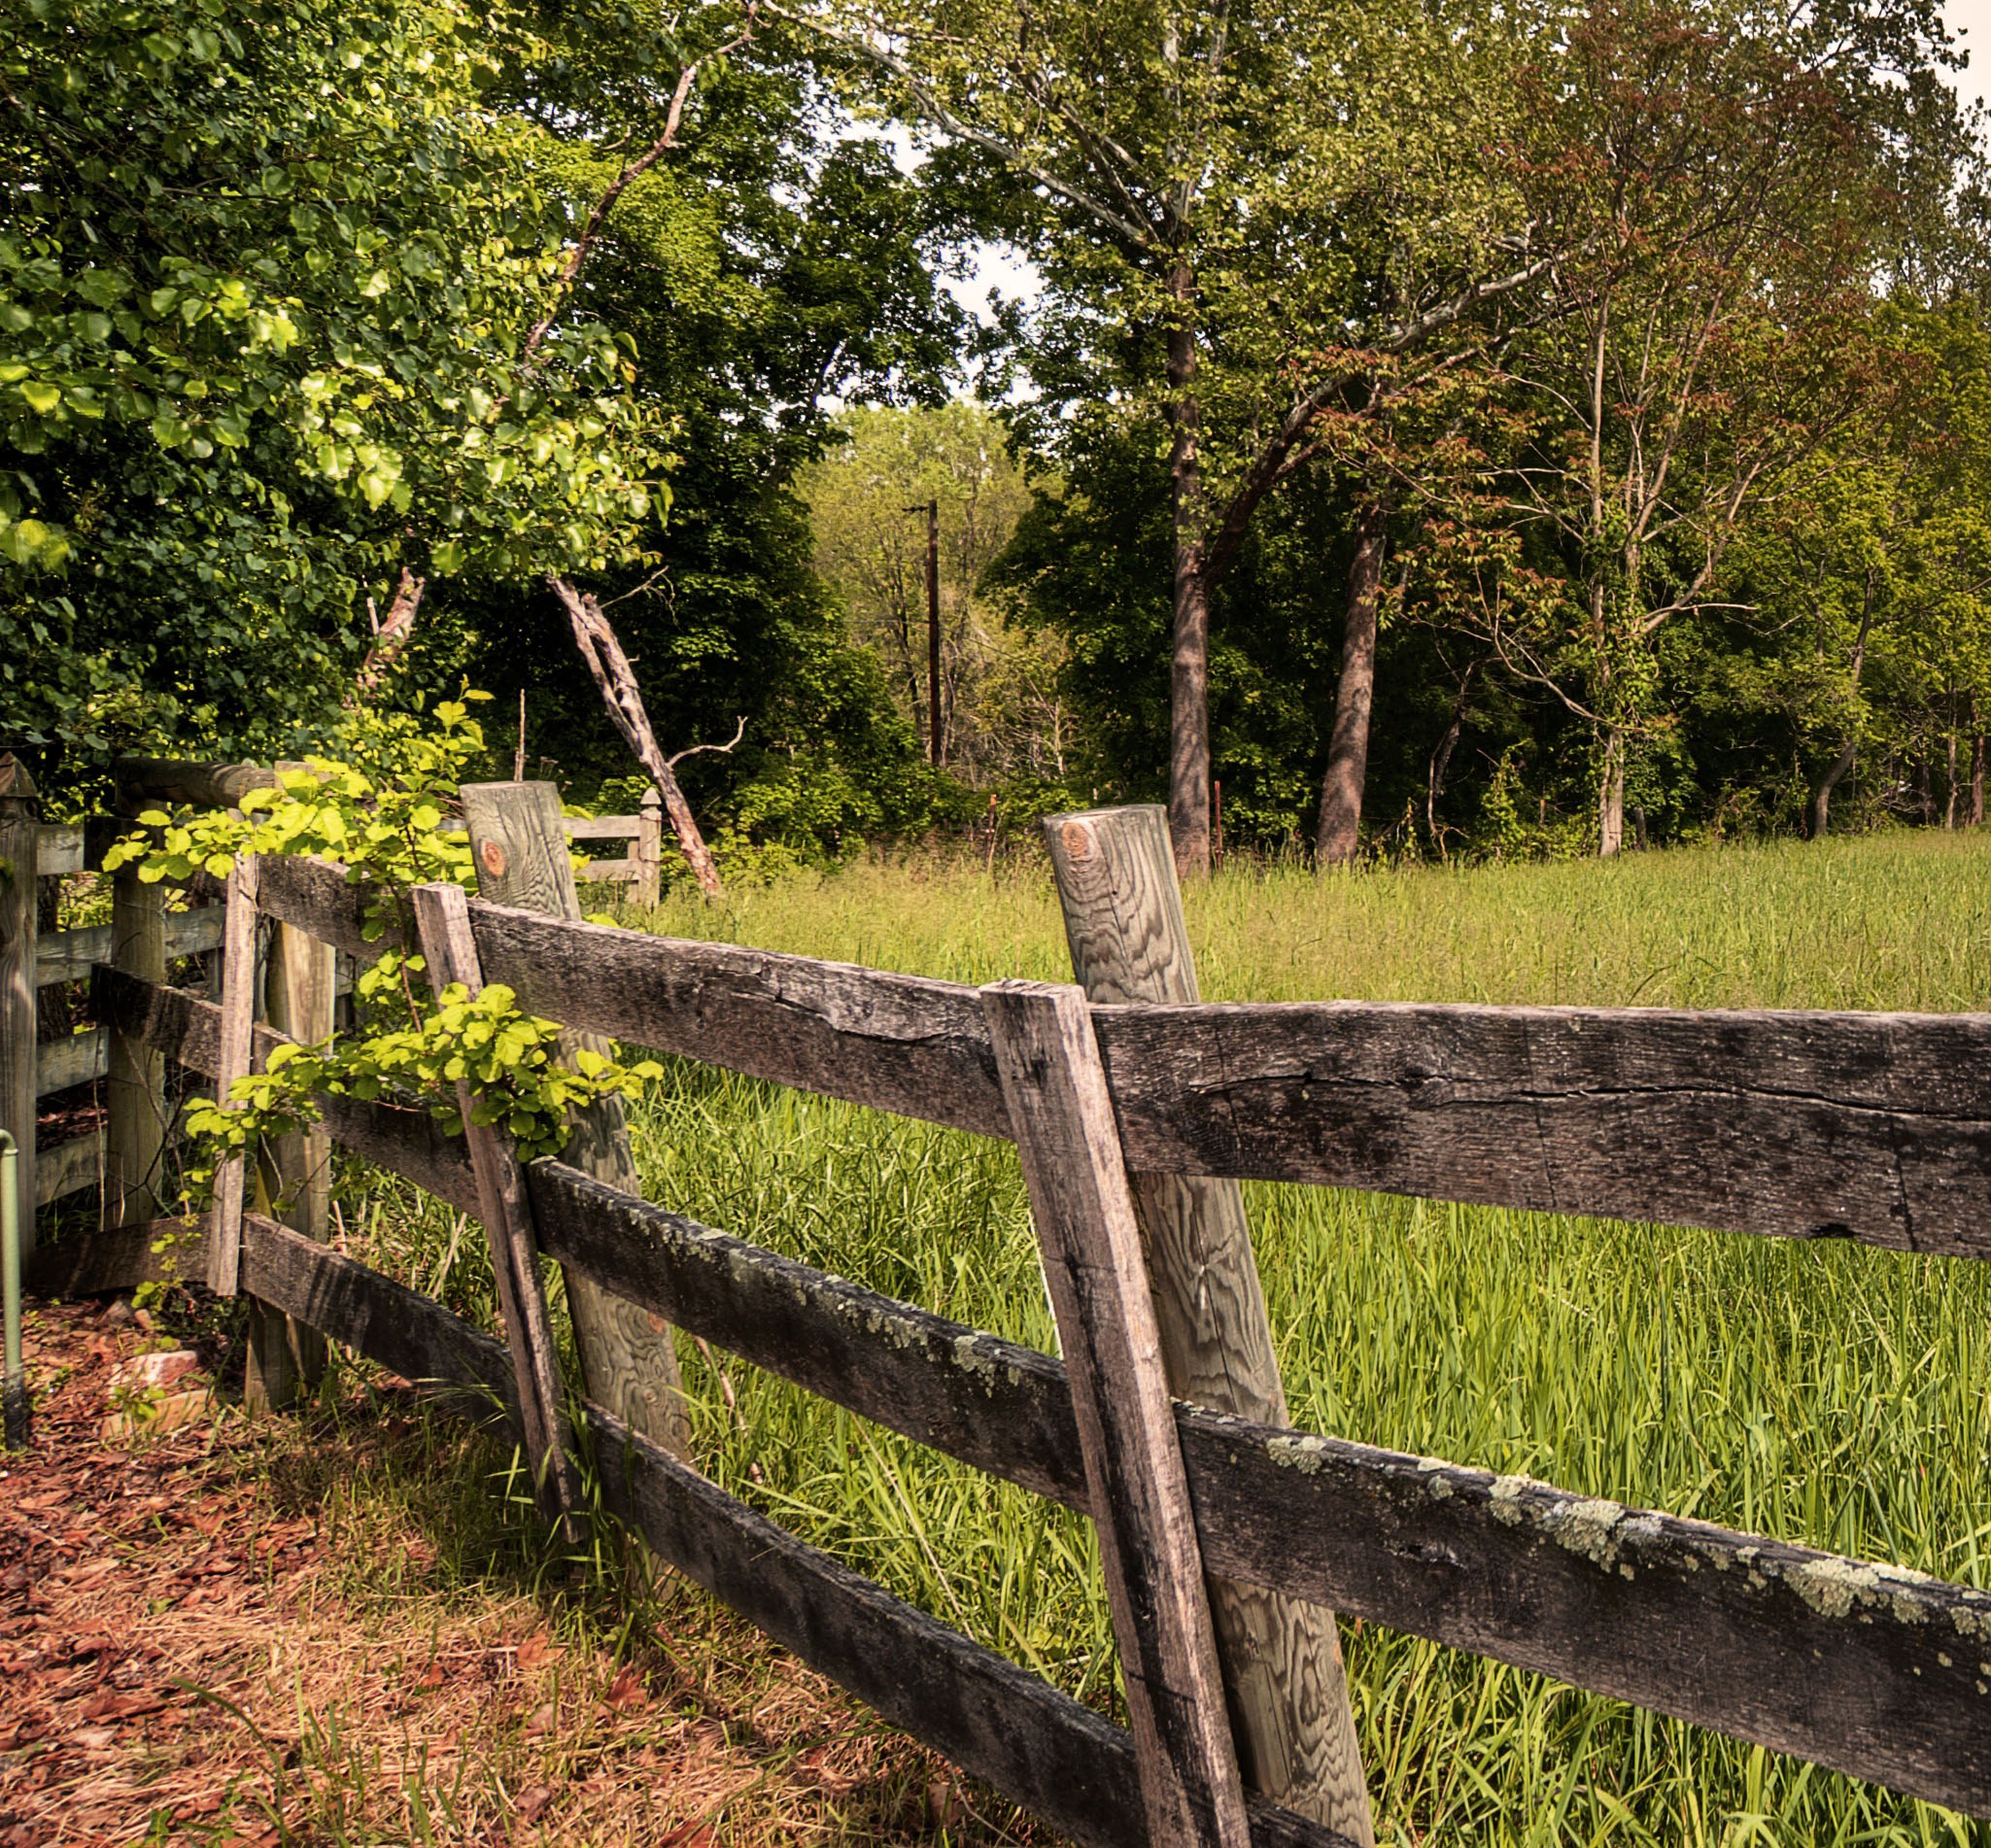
x=189 y=1653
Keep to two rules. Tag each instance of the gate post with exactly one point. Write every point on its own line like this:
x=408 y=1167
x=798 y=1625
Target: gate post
x=1281 y=1659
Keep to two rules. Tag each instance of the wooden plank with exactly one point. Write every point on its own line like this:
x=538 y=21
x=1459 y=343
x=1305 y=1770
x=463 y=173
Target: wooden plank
x=599 y=827
x=71 y=955
x=242 y=981
x=442 y=921
x=81 y=1058
x=898 y=1042
x=648 y=852
x=1001 y=1407
x=1283 y=1668
x=59 y=851
x=1093 y=1265
x=389 y=1323
x=69 y=1166
x=134 y=1095
x=627 y=868
x=286 y=1356
x=629 y=1362
x=314 y=896
x=188 y=1030
x=19 y=904
x=1835 y=1659
x=1809 y=1125
x=1042 y=1749
x=145 y=782
x=97 y=1263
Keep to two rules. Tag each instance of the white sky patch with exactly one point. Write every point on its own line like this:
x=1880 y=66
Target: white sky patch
x=1973 y=17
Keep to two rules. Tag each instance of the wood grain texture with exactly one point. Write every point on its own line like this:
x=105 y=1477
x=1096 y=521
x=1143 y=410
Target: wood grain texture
x=627 y=1357
x=58 y=850
x=96 y=1263
x=135 y=1094
x=234 y=1058
x=1808 y=1125
x=1002 y=1408
x=188 y=1030
x=1282 y=1666
x=898 y=1042
x=80 y=1058
x=1036 y=1746
x=1091 y=1243
x=1864 y=1668
x=69 y=1166
x=648 y=852
x=142 y=782
x=442 y=921
x=314 y=897
x=19 y=900
x=71 y=955
x=389 y=1323
x=286 y=1356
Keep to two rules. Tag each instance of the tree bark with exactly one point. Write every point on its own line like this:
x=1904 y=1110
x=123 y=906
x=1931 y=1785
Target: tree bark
x=617 y=680
x=1347 y=752
x=1819 y=817
x=391 y=637
x=1188 y=726
x=1610 y=797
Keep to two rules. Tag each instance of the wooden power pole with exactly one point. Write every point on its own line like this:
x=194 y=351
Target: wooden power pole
x=932 y=511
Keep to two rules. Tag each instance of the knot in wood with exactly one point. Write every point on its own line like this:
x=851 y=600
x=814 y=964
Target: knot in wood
x=1078 y=839
x=492 y=854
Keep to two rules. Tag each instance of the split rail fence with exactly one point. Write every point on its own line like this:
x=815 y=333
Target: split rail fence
x=1807 y=1125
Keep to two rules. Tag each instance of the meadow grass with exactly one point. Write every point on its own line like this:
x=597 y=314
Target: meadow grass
x=1821 y=1394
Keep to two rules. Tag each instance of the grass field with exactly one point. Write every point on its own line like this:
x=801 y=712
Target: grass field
x=1826 y=1394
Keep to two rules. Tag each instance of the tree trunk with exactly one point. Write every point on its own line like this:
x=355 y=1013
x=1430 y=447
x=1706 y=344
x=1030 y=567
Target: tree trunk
x=613 y=674
x=1188 y=727
x=1348 y=753
x=1949 y=782
x=1610 y=797
x=1819 y=817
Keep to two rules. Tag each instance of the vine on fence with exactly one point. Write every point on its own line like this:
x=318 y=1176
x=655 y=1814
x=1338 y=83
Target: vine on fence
x=379 y=809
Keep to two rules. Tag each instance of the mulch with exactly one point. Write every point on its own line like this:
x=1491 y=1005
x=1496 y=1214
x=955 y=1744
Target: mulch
x=182 y=1660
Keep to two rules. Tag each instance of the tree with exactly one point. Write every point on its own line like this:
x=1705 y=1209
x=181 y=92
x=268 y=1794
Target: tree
x=269 y=275
x=1002 y=714
x=1206 y=189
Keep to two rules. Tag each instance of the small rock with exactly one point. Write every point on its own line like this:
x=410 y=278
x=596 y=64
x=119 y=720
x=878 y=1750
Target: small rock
x=144 y=1318
x=119 y=1315
x=154 y=1415
x=161 y=1370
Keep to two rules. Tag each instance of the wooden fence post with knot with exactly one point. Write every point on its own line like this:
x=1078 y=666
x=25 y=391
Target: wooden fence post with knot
x=1281 y=1659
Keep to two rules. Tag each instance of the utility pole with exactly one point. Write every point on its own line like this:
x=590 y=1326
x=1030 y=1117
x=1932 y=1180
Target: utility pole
x=932 y=511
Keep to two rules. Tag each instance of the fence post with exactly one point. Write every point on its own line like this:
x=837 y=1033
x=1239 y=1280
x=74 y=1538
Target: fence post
x=626 y=1355
x=20 y=822
x=649 y=853
x=135 y=1089
x=442 y=920
x=235 y=1059
x=1281 y=1659
x=1069 y=1143
x=286 y=1356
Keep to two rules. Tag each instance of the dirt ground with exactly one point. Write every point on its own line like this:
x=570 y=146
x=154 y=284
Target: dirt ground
x=335 y=1628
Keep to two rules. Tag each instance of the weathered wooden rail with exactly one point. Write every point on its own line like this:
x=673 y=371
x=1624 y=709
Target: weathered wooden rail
x=1833 y=1125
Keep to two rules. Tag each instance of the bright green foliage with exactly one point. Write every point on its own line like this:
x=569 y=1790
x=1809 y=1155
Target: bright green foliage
x=380 y=811
x=266 y=288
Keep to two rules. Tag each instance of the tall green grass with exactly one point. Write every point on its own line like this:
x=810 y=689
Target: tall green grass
x=1821 y=1394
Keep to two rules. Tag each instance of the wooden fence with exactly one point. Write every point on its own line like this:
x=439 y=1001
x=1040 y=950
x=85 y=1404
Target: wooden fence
x=145 y=934
x=1875 y=1127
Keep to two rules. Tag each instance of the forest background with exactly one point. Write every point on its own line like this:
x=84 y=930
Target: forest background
x=1468 y=431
